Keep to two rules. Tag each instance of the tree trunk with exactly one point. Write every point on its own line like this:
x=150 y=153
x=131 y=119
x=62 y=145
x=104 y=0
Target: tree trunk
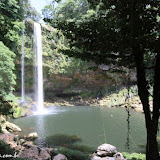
x=151 y=122
x=152 y=146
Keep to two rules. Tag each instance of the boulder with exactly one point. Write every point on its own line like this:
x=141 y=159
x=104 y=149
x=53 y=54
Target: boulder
x=3 y=124
x=22 y=141
x=106 y=150
x=44 y=155
x=19 y=148
x=49 y=150
x=34 y=152
x=119 y=156
x=9 y=139
x=28 y=143
x=96 y=157
x=32 y=136
x=12 y=127
x=30 y=151
x=59 y=157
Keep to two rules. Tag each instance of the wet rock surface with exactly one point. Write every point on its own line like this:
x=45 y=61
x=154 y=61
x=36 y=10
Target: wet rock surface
x=107 y=152
x=32 y=136
x=12 y=127
x=8 y=127
x=35 y=152
x=59 y=157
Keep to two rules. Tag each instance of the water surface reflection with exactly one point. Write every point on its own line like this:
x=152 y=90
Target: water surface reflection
x=93 y=125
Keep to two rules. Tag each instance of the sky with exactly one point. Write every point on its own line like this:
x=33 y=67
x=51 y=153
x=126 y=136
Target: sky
x=39 y=4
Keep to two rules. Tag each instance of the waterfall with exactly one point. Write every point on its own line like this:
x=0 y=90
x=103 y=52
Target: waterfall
x=38 y=68
x=22 y=67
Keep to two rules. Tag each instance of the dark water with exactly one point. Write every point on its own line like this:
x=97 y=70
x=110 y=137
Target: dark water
x=93 y=125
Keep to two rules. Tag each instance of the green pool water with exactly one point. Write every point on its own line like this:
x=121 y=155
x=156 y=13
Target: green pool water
x=94 y=125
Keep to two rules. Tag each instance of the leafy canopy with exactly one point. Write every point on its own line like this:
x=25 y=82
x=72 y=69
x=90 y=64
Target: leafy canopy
x=106 y=35
x=7 y=76
x=11 y=15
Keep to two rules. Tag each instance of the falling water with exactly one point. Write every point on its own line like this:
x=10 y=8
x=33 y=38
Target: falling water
x=38 y=67
x=22 y=67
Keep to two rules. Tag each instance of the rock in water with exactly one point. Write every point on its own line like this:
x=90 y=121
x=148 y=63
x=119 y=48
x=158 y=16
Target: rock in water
x=59 y=157
x=12 y=127
x=32 y=136
x=95 y=157
x=106 y=150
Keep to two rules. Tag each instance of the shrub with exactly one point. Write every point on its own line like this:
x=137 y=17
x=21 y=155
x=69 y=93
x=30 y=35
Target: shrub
x=17 y=112
x=134 y=156
x=5 y=149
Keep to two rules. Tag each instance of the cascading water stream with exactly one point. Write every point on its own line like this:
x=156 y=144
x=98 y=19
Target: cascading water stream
x=22 y=68
x=38 y=68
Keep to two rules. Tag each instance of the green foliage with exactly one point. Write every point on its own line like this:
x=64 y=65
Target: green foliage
x=123 y=33
x=5 y=149
x=5 y=107
x=55 y=61
x=7 y=76
x=124 y=96
x=74 y=154
x=30 y=12
x=11 y=15
x=18 y=112
x=67 y=11
x=105 y=26
x=134 y=156
x=88 y=94
x=7 y=79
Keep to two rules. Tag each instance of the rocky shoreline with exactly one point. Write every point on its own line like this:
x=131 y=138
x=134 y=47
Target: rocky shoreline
x=24 y=148
x=133 y=103
x=26 y=108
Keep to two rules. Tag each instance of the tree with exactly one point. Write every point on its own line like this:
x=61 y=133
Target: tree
x=7 y=78
x=11 y=16
x=123 y=33
x=30 y=12
x=67 y=11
